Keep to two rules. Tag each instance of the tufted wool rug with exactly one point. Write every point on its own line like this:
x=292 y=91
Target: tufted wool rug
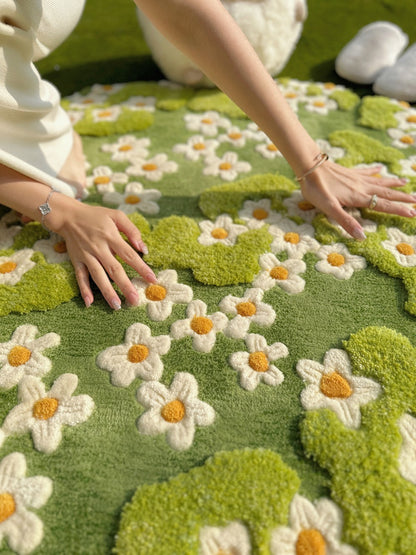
x=261 y=399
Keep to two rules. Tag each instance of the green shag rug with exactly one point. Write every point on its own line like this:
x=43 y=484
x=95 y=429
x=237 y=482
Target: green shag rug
x=262 y=397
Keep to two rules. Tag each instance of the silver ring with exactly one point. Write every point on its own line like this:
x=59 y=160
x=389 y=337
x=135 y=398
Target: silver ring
x=373 y=202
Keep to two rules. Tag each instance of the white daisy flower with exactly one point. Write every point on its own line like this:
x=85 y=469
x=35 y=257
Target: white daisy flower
x=401 y=138
x=175 y=411
x=245 y=310
x=321 y=105
x=135 y=199
x=144 y=103
x=201 y=327
x=329 y=88
x=107 y=89
x=165 y=83
x=206 y=123
x=402 y=247
x=161 y=296
x=256 y=365
x=227 y=168
x=334 y=152
x=407 y=457
x=14 y=266
x=127 y=147
x=78 y=101
x=232 y=539
x=297 y=206
x=235 y=136
x=104 y=178
x=110 y=113
x=22 y=355
x=196 y=147
x=409 y=166
x=284 y=274
x=337 y=260
x=138 y=357
x=292 y=238
x=8 y=233
x=406 y=119
x=75 y=116
x=255 y=133
x=268 y=150
x=223 y=231
x=333 y=386
x=368 y=226
x=22 y=528
x=54 y=249
x=316 y=524
x=257 y=213
x=43 y=414
x=380 y=170
x=152 y=168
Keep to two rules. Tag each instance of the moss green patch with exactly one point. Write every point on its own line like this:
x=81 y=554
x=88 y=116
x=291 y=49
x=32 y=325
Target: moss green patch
x=379 y=504
x=213 y=99
x=228 y=198
x=174 y=243
x=314 y=90
x=167 y=98
x=378 y=112
x=127 y=121
x=347 y=100
x=251 y=486
x=362 y=149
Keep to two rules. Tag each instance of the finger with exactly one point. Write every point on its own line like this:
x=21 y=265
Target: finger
x=130 y=256
x=391 y=207
x=82 y=277
x=116 y=272
x=393 y=195
x=345 y=220
x=127 y=227
x=100 y=277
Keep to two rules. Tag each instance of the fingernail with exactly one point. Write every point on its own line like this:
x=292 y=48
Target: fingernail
x=150 y=276
x=404 y=181
x=116 y=304
x=412 y=213
x=133 y=298
x=88 y=302
x=359 y=234
x=144 y=249
x=140 y=246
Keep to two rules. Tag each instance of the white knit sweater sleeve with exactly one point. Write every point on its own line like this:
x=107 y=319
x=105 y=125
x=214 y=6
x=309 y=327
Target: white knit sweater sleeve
x=35 y=132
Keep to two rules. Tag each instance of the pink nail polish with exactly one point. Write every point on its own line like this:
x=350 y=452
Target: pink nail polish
x=150 y=277
x=115 y=303
x=88 y=302
x=359 y=234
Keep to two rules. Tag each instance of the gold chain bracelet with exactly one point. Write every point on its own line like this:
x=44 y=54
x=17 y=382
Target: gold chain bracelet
x=321 y=159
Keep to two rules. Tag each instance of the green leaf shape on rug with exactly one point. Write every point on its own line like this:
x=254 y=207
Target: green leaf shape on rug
x=174 y=243
x=213 y=99
x=44 y=287
x=127 y=121
x=167 y=97
x=251 y=486
x=363 y=149
x=379 y=505
x=347 y=100
x=229 y=197
x=377 y=112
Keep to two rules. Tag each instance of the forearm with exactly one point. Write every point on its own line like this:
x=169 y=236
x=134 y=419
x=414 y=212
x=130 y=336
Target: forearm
x=208 y=35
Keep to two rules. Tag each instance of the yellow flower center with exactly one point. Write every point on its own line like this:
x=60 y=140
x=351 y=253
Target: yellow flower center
x=132 y=199
x=201 y=325
x=18 y=355
x=137 y=353
x=7 y=506
x=404 y=104
x=329 y=86
x=87 y=101
x=258 y=361
x=319 y=104
x=149 y=167
x=199 y=146
x=305 y=205
x=174 y=411
x=7 y=267
x=335 y=386
x=60 y=247
x=260 y=213
x=45 y=408
x=219 y=233
x=102 y=180
x=272 y=147
x=105 y=114
x=405 y=248
x=246 y=308
x=292 y=237
x=207 y=120
x=335 y=259
x=278 y=272
x=310 y=542
x=407 y=139
x=140 y=104
x=291 y=95
x=226 y=552
x=235 y=136
x=411 y=119
x=225 y=166
x=124 y=148
x=156 y=292
x=413 y=166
